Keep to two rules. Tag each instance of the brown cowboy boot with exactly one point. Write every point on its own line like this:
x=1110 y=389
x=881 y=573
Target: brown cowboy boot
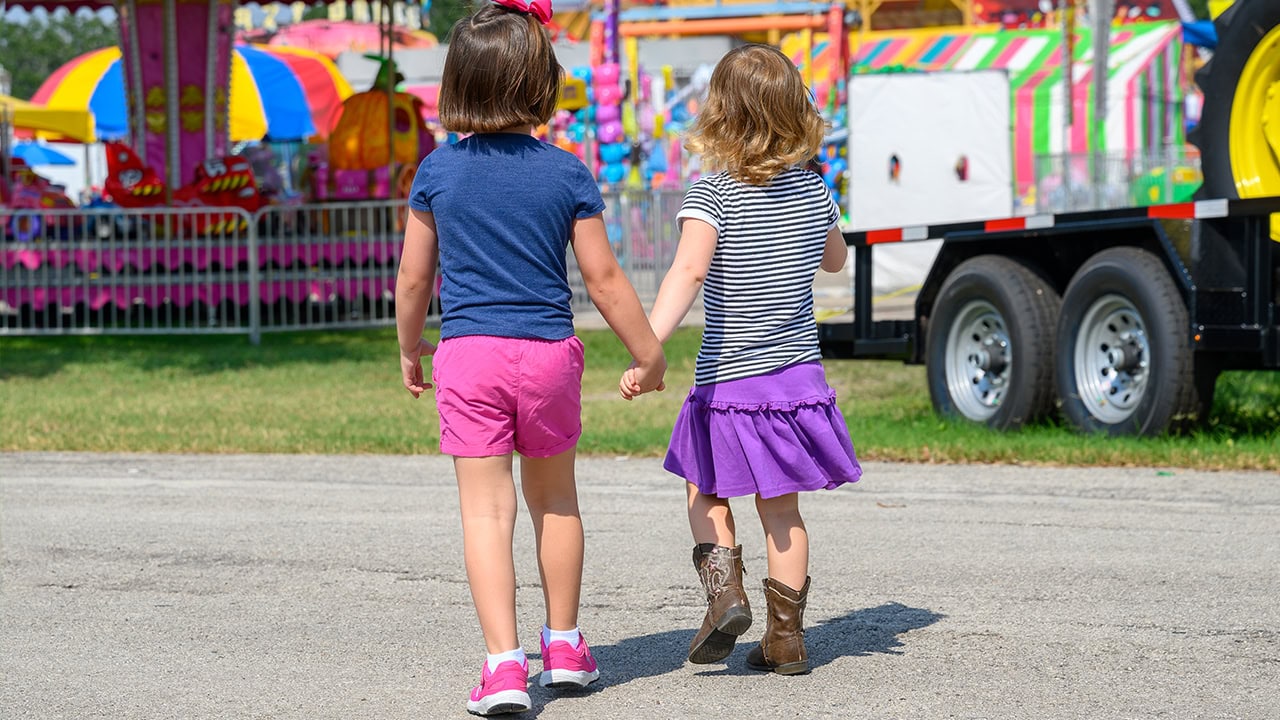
x=728 y=612
x=782 y=649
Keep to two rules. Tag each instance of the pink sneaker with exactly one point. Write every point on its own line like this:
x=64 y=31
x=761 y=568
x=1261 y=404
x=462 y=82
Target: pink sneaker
x=565 y=666
x=505 y=690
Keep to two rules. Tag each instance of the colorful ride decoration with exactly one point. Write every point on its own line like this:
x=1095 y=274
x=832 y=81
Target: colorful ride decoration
x=1162 y=185
x=176 y=87
x=366 y=143
x=280 y=93
x=27 y=190
x=217 y=183
x=608 y=118
x=645 y=151
x=177 y=84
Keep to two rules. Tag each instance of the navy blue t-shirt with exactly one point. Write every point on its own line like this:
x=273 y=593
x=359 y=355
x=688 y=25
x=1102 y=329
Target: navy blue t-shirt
x=504 y=207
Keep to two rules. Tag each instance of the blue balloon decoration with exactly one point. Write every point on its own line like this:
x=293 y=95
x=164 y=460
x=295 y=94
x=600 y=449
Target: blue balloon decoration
x=614 y=172
x=657 y=161
x=613 y=152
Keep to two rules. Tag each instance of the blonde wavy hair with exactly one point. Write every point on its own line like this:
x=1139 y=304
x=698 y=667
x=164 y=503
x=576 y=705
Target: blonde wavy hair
x=759 y=118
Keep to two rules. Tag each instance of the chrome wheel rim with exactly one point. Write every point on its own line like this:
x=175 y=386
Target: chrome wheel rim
x=979 y=358
x=1112 y=359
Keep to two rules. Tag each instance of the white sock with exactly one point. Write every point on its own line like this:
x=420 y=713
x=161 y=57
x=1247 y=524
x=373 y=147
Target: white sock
x=493 y=661
x=570 y=636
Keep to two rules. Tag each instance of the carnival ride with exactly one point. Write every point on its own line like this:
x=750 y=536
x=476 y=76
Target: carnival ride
x=199 y=244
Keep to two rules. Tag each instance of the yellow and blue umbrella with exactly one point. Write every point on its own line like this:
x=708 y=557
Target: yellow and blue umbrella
x=278 y=93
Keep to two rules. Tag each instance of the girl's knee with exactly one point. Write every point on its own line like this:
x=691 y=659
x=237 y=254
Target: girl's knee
x=779 y=506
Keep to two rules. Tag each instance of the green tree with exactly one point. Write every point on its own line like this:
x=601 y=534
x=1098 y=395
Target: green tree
x=439 y=18
x=444 y=13
x=34 y=47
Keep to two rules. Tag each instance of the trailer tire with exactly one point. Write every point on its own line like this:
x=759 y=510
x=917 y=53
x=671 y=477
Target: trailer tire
x=989 y=353
x=1125 y=363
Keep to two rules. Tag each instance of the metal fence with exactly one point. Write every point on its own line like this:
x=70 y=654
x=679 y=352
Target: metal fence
x=1087 y=181
x=215 y=270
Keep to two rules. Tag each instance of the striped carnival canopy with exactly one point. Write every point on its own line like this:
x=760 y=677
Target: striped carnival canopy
x=1145 y=80
x=279 y=93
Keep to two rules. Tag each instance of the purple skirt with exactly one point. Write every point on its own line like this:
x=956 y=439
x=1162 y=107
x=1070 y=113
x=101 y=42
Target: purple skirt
x=767 y=435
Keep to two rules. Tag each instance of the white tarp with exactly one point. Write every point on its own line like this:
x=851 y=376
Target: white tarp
x=926 y=148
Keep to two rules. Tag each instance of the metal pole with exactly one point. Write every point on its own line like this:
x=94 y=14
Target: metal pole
x=1103 y=10
x=1066 y=17
x=173 y=159
x=210 y=76
x=133 y=64
x=388 y=36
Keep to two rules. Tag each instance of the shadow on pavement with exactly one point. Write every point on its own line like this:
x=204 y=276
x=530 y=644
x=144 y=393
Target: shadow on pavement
x=854 y=634
x=857 y=633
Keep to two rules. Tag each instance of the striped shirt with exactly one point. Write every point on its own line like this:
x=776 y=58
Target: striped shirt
x=758 y=293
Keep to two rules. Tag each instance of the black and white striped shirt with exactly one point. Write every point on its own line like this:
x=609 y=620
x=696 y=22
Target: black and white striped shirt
x=758 y=293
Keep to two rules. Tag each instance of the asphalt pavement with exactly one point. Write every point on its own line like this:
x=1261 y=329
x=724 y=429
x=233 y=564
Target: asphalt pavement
x=333 y=587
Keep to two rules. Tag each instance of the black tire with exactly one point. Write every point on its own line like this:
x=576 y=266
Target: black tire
x=989 y=352
x=1240 y=30
x=1125 y=362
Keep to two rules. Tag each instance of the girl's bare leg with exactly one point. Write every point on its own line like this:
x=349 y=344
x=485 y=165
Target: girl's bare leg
x=786 y=538
x=552 y=496
x=487 y=496
x=710 y=518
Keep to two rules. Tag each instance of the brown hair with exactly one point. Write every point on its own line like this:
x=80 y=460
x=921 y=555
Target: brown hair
x=759 y=118
x=501 y=72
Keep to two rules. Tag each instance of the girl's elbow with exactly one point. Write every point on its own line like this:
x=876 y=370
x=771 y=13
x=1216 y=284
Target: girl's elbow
x=693 y=277
x=410 y=283
x=834 y=259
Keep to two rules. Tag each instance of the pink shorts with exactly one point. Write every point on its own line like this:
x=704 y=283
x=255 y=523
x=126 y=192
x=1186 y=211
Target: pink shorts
x=498 y=394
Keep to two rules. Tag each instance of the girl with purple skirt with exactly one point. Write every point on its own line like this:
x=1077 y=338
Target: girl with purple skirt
x=760 y=419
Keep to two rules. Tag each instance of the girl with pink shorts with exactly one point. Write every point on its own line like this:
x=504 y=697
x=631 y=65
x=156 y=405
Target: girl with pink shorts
x=497 y=212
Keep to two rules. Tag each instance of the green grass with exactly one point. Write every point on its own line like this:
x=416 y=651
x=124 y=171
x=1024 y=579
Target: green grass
x=331 y=392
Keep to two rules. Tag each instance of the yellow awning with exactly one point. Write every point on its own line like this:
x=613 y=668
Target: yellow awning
x=66 y=124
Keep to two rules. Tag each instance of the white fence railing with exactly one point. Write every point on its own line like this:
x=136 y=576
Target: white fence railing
x=221 y=270
x=1086 y=181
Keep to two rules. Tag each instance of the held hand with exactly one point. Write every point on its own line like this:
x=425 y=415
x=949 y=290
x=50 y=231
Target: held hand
x=411 y=367
x=628 y=386
x=641 y=378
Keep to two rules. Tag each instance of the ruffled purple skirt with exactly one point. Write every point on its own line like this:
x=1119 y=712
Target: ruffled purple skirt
x=767 y=435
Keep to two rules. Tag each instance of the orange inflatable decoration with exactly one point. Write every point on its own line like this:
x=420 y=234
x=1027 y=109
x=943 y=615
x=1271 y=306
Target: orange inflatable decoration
x=360 y=139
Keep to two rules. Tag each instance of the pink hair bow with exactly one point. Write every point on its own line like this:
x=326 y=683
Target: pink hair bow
x=540 y=9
